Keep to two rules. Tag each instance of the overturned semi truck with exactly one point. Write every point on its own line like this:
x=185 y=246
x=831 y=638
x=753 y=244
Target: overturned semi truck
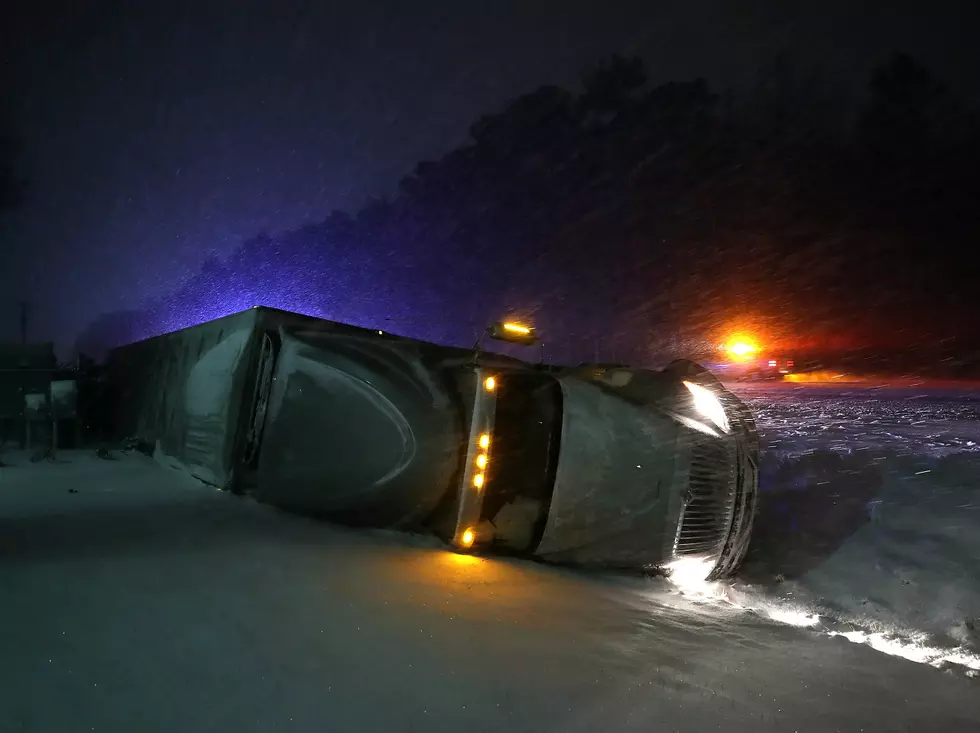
x=592 y=465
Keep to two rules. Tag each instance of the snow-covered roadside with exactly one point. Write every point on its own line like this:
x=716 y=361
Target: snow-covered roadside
x=134 y=599
x=870 y=519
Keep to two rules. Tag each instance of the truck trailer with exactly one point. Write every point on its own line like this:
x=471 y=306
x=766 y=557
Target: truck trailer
x=595 y=465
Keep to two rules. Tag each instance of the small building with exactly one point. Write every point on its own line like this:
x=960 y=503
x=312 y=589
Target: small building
x=26 y=374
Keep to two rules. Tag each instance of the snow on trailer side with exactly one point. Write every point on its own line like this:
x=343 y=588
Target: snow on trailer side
x=190 y=393
x=181 y=393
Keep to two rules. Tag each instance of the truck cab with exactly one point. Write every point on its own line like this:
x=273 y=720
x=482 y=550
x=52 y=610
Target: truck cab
x=606 y=466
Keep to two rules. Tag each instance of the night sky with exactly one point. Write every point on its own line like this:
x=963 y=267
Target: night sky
x=157 y=134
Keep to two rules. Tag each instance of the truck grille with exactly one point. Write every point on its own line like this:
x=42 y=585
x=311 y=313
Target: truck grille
x=706 y=516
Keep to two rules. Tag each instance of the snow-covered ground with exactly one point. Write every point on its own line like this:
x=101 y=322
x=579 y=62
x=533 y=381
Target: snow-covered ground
x=871 y=513
x=133 y=598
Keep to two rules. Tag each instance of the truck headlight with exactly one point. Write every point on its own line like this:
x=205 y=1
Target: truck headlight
x=708 y=406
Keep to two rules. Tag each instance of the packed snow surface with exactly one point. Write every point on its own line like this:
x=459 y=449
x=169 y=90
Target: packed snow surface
x=133 y=597
x=871 y=515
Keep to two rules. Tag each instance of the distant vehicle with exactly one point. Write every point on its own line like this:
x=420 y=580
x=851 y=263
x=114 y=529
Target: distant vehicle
x=743 y=359
x=768 y=366
x=592 y=465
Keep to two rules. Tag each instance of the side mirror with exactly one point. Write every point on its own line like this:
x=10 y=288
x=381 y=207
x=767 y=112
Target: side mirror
x=513 y=333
